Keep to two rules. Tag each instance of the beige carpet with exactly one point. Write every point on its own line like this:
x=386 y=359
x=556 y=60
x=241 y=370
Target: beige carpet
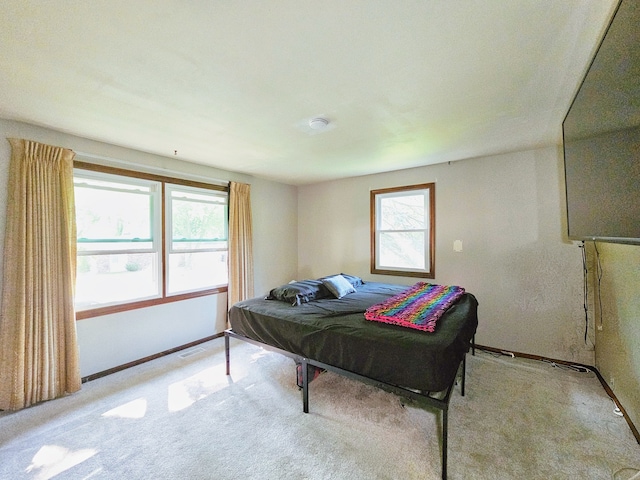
x=180 y=417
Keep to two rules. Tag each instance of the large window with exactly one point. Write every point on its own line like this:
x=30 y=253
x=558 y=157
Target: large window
x=145 y=239
x=403 y=231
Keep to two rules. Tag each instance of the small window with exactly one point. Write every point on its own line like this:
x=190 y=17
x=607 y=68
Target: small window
x=403 y=231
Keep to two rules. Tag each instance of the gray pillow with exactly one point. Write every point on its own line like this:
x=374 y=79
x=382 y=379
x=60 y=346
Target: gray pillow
x=338 y=285
x=353 y=280
x=297 y=293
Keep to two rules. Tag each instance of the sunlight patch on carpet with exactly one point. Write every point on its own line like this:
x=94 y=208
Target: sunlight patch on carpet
x=134 y=409
x=186 y=392
x=259 y=354
x=52 y=460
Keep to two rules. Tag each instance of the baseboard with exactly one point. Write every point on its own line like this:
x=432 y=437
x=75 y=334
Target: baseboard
x=149 y=358
x=510 y=353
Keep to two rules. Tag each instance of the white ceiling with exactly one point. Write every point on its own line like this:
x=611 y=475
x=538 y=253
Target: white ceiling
x=232 y=84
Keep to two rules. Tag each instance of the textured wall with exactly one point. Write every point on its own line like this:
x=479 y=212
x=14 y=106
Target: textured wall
x=509 y=212
x=618 y=340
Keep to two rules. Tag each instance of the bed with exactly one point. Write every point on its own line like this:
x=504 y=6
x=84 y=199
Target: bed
x=305 y=321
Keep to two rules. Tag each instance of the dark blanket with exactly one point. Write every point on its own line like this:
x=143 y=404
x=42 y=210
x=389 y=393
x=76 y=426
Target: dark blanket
x=335 y=332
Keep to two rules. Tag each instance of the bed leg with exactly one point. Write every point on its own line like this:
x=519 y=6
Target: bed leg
x=464 y=372
x=445 y=422
x=226 y=351
x=305 y=386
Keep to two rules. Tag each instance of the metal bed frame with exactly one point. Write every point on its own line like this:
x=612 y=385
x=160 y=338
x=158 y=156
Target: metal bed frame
x=439 y=400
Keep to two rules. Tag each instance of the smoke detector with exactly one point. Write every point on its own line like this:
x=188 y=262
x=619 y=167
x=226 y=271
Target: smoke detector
x=318 y=123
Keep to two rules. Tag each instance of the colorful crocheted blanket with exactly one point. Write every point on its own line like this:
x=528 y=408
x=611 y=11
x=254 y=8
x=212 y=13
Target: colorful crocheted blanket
x=418 y=307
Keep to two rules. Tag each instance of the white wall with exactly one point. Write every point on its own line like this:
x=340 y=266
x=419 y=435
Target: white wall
x=112 y=340
x=509 y=212
x=618 y=339
x=117 y=339
x=275 y=231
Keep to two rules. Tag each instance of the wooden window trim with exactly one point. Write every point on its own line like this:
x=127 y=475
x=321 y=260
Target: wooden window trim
x=124 y=307
x=147 y=176
x=432 y=231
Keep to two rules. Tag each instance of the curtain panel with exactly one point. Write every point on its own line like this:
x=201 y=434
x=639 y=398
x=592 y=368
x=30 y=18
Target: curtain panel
x=240 y=244
x=38 y=345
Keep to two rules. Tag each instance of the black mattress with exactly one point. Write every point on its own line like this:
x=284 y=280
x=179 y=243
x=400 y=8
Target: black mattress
x=335 y=332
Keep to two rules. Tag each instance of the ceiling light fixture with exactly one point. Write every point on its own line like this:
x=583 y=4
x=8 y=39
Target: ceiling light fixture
x=318 y=123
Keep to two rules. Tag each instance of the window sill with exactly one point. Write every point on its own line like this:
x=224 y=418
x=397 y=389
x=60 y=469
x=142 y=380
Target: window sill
x=124 y=307
x=403 y=273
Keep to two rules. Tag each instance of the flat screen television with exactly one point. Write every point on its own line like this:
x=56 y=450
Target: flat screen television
x=601 y=138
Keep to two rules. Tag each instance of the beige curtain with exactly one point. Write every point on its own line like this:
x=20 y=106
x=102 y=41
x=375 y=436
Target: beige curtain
x=38 y=346
x=240 y=243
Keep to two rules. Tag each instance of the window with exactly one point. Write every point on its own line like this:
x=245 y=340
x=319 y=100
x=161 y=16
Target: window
x=197 y=235
x=146 y=239
x=403 y=231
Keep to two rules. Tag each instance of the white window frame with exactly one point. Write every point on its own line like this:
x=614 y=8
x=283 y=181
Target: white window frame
x=156 y=228
x=427 y=190
x=221 y=246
